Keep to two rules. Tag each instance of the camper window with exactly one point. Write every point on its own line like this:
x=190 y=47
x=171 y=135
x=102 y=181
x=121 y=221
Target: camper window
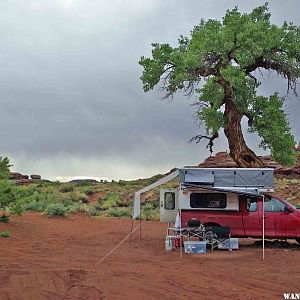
x=169 y=202
x=208 y=200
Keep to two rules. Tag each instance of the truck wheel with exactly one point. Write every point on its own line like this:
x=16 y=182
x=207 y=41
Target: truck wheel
x=210 y=238
x=298 y=240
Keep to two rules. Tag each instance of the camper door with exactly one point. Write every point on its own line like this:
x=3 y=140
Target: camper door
x=168 y=205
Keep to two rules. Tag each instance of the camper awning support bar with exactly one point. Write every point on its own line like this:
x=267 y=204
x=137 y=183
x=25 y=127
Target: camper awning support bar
x=137 y=195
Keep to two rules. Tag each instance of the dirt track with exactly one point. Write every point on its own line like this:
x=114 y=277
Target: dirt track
x=54 y=259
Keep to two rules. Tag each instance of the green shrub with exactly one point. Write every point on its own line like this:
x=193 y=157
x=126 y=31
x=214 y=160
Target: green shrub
x=154 y=178
x=120 y=212
x=67 y=188
x=150 y=211
x=8 y=193
x=88 y=191
x=92 y=211
x=122 y=182
x=5 y=234
x=4 y=168
x=74 y=207
x=18 y=207
x=111 y=200
x=34 y=206
x=26 y=191
x=55 y=209
x=77 y=196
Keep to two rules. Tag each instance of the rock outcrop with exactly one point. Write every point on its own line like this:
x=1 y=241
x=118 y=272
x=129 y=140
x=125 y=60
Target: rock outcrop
x=24 y=179
x=223 y=160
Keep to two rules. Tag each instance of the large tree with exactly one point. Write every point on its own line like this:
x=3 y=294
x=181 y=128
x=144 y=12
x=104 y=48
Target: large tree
x=230 y=57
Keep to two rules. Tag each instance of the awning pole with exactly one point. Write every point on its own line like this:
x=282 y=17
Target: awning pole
x=180 y=232
x=263 y=229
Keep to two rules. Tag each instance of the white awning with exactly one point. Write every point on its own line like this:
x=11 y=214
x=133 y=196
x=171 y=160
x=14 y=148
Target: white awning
x=137 y=195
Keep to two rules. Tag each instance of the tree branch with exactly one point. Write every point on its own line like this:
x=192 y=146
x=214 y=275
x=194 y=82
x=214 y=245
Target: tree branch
x=283 y=69
x=250 y=118
x=211 y=139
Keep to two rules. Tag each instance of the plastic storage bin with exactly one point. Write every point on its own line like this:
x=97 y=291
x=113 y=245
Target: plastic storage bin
x=234 y=244
x=198 y=247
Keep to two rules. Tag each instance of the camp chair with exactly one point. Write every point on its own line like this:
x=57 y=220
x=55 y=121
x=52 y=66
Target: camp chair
x=217 y=235
x=195 y=229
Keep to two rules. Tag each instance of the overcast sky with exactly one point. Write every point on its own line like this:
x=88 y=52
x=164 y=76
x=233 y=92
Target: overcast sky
x=71 y=99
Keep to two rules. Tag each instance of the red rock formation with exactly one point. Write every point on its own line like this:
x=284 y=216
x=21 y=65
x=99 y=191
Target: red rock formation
x=223 y=160
x=23 y=179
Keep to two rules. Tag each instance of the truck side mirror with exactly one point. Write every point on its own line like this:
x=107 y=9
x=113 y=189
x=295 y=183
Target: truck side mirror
x=287 y=209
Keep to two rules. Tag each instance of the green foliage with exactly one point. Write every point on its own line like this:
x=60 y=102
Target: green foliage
x=150 y=211
x=224 y=54
x=58 y=199
x=55 y=209
x=122 y=182
x=77 y=196
x=8 y=193
x=35 y=206
x=112 y=199
x=120 y=212
x=154 y=178
x=213 y=119
x=88 y=190
x=15 y=198
x=271 y=124
x=92 y=211
x=66 y=188
x=26 y=191
x=5 y=234
x=4 y=168
x=18 y=207
x=74 y=207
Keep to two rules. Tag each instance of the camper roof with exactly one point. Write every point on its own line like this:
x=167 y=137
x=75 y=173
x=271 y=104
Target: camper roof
x=239 y=178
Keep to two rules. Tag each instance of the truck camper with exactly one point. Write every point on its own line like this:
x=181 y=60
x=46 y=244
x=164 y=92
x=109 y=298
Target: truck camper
x=239 y=198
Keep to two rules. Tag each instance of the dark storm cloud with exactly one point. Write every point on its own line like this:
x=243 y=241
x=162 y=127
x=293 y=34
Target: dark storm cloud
x=71 y=99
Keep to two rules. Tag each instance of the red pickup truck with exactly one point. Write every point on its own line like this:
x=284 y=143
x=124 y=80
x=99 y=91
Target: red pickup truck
x=282 y=220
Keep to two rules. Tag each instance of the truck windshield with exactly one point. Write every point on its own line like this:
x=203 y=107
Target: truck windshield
x=284 y=202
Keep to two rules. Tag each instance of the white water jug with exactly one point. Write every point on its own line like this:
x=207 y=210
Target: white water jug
x=168 y=243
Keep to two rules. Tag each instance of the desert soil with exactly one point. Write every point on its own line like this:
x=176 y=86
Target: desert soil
x=54 y=258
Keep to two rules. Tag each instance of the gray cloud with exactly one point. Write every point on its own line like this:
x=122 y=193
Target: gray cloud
x=71 y=99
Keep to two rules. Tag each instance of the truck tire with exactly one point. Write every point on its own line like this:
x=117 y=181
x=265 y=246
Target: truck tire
x=298 y=240
x=210 y=239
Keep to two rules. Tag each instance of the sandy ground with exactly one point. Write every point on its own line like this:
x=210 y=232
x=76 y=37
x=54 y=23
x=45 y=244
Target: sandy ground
x=54 y=259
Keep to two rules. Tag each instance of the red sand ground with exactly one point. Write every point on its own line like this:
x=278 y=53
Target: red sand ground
x=54 y=259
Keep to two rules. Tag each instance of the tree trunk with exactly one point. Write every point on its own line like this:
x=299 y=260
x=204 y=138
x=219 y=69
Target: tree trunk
x=239 y=152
